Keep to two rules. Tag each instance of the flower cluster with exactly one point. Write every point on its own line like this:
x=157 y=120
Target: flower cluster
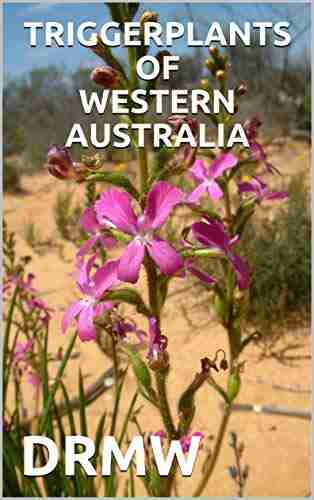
x=114 y=216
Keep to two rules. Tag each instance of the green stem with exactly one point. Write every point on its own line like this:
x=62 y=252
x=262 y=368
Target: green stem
x=152 y=287
x=142 y=158
x=132 y=65
x=164 y=407
x=6 y=343
x=211 y=460
x=52 y=392
x=228 y=204
x=116 y=386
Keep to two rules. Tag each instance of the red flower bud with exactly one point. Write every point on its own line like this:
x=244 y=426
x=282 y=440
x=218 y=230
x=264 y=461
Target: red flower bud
x=60 y=164
x=107 y=77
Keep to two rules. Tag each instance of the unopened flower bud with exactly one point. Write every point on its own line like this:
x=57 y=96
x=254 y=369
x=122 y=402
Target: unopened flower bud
x=220 y=74
x=160 y=362
x=161 y=55
x=245 y=472
x=149 y=17
x=223 y=364
x=214 y=51
x=241 y=89
x=211 y=65
x=60 y=163
x=106 y=77
x=233 y=472
x=251 y=127
x=204 y=83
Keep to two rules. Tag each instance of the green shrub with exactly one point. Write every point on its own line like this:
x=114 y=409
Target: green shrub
x=279 y=253
x=11 y=178
x=66 y=216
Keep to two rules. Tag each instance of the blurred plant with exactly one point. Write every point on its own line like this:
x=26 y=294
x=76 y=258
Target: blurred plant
x=280 y=250
x=66 y=215
x=11 y=177
x=237 y=472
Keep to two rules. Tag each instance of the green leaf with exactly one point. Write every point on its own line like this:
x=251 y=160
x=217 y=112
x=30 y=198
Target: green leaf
x=127 y=419
x=132 y=8
x=142 y=375
x=68 y=409
x=6 y=342
x=54 y=388
x=163 y=285
x=117 y=180
x=83 y=420
x=99 y=434
x=233 y=387
x=116 y=11
x=129 y=296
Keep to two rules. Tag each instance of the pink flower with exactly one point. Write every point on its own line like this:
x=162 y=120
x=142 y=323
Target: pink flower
x=186 y=440
x=36 y=303
x=157 y=341
x=206 y=177
x=161 y=434
x=115 y=206
x=21 y=350
x=91 y=305
x=251 y=128
x=212 y=234
x=259 y=154
x=204 y=277
x=260 y=190
x=34 y=380
x=122 y=328
x=90 y=224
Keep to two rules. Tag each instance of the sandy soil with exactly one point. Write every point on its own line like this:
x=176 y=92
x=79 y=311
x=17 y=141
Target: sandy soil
x=277 y=449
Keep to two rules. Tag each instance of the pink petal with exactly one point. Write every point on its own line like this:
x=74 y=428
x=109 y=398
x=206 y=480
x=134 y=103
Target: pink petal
x=211 y=235
x=102 y=307
x=257 y=151
x=85 y=326
x=131 y=261
x=69 y=315
x=276 y=195
x=242 y=271
x=214 y=190
x=199 y=171
x=197 y=193
x=82 y=273
x=222 y=163
x=88 y=221
x=86 y=247
x=206 y=278
x=105 y=277
x=108 y=242
x=161 y=199
x=34 y=380
x=115 y=205
x=166 y=257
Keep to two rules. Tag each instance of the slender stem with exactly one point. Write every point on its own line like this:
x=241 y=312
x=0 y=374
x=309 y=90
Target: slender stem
x=142 y=157
x=164 y=404
x=116 y=386
x=152 y=287
x=211 y=460
x=56 y=384
x=7 y=367
x=228 y=204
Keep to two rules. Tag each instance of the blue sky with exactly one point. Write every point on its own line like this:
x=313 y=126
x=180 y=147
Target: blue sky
x=20 y=58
